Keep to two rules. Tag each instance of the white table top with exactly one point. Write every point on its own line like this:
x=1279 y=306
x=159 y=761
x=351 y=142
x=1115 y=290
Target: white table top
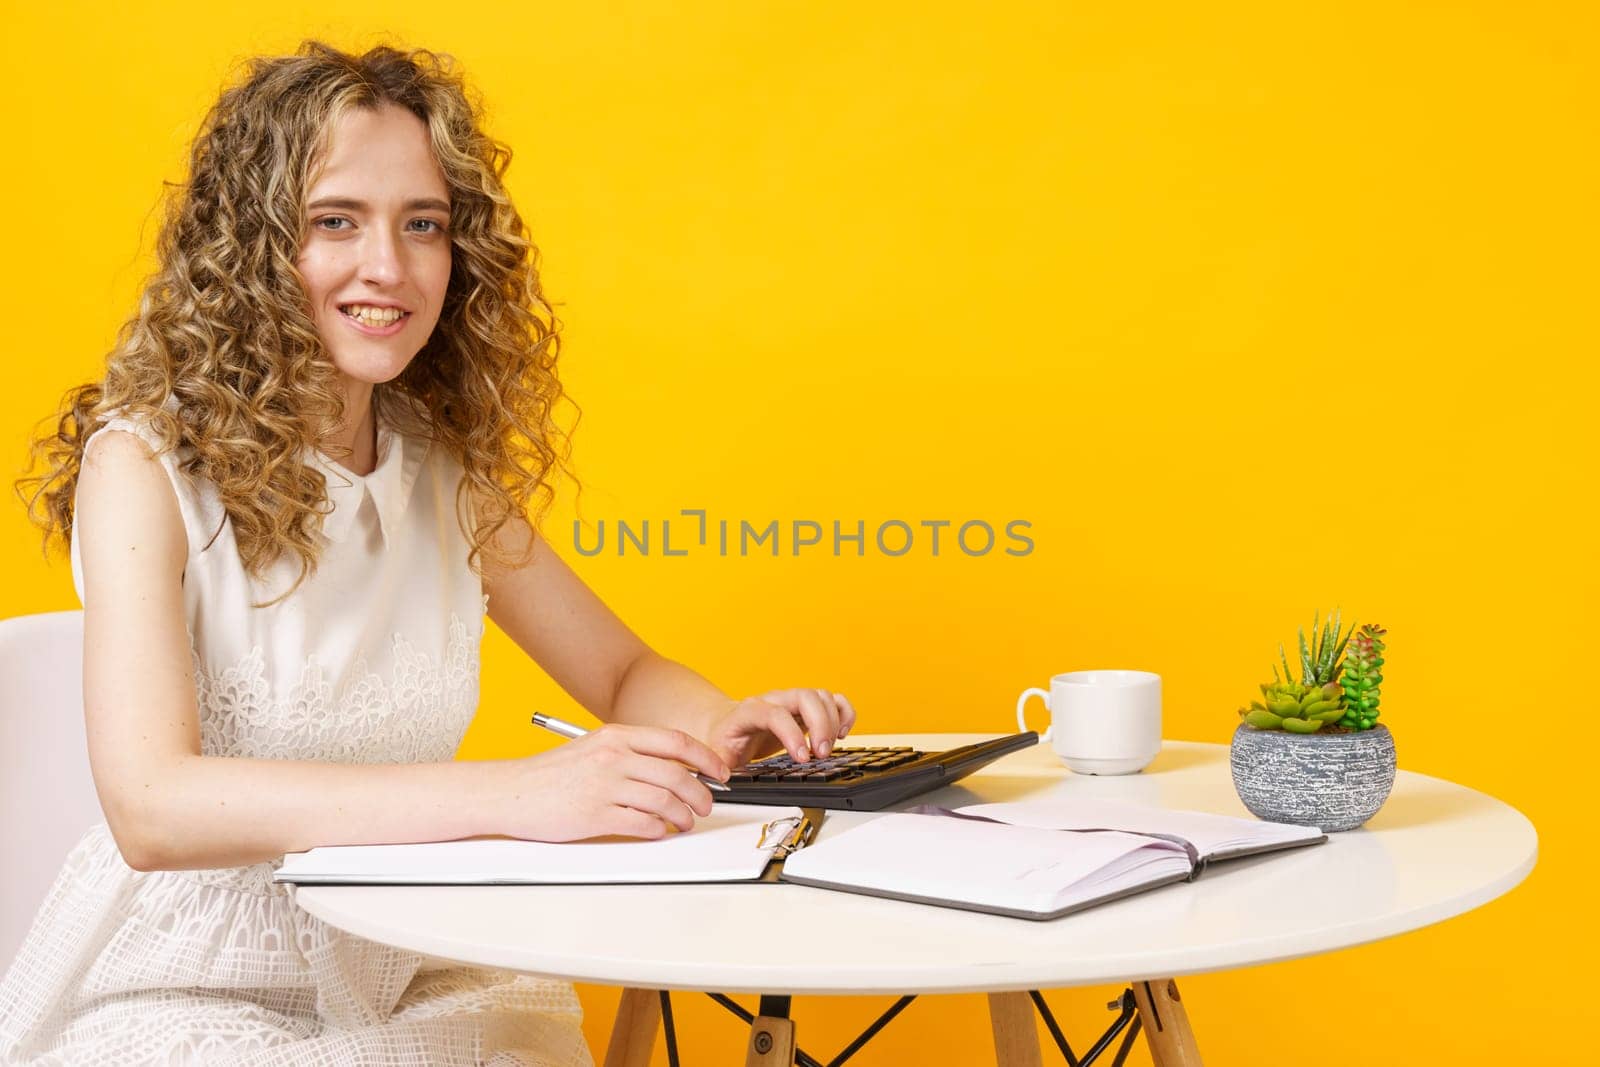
x=1435 y=850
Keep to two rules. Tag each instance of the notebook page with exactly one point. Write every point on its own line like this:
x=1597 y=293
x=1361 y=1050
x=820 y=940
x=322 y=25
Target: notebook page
x=1209 y=833
x=721 y=847
x=985 y=864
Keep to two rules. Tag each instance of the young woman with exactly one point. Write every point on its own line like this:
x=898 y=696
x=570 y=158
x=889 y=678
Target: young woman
x=300 y=484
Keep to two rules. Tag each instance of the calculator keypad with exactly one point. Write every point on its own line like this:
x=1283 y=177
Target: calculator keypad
x=840 y=765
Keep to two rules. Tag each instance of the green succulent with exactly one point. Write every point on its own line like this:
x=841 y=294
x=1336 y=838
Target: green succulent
x=1299 y=709
x=1303 y=707
x=1319 y=660
x=1363 y=674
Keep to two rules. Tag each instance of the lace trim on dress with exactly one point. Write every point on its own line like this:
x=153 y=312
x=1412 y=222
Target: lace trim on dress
x=419 y=714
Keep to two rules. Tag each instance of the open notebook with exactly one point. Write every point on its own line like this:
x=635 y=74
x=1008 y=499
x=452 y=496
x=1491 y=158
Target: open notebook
x=1032 y=859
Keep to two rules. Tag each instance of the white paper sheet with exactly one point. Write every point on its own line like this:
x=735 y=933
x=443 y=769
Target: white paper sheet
x=1210 y=834
x=993 y=866
x=721 y=847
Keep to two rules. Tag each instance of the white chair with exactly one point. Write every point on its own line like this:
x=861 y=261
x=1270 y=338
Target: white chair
x=47 y=797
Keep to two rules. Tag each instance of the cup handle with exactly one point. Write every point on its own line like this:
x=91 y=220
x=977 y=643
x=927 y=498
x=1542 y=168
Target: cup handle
x=1022 y=703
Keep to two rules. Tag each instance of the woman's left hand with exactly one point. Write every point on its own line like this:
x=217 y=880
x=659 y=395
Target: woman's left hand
x=803 y=722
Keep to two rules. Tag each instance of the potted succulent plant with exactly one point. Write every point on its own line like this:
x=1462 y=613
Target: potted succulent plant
x=1312 y=752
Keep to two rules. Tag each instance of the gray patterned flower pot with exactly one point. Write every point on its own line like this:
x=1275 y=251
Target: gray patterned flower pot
x=1330 y=781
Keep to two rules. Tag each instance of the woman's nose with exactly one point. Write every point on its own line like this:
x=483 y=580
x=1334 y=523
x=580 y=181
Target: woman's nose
x=380 y=257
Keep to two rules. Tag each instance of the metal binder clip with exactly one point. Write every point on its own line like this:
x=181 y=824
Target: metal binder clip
x=784 y=835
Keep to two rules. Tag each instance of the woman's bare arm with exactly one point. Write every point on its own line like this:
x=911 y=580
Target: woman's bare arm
x=166 y=804
x=562 y=625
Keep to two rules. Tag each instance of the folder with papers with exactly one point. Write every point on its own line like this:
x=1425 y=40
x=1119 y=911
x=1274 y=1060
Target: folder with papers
x=1033 y=860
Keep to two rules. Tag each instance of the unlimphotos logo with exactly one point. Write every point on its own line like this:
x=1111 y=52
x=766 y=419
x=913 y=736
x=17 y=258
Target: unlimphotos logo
x=775 y=537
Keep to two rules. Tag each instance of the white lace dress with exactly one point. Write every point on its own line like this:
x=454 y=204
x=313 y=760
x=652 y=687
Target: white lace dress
x=373 y=660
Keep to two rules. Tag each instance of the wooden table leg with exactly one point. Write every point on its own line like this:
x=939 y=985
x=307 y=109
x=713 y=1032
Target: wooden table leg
x=1016 y=1042
x=633 y=1034
x=1166 y=1024
x=771 y=1042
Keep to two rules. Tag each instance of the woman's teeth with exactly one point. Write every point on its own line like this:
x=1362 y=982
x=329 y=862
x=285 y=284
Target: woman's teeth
x=373 y=316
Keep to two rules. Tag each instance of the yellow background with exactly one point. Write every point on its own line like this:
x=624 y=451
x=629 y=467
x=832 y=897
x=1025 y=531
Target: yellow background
x=1249 y=308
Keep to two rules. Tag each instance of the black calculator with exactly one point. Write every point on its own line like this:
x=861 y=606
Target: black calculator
x=863 y=779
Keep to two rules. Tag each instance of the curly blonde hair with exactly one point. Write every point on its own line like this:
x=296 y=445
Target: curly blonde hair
x=225 y=323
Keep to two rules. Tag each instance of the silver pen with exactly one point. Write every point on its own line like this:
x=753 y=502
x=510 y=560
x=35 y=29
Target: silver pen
x=572 y=730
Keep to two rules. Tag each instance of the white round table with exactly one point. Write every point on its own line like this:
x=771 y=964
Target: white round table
x=1435 y=850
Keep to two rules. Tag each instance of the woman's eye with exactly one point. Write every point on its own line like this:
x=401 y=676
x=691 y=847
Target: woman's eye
x=329 y=218
x=437 y=227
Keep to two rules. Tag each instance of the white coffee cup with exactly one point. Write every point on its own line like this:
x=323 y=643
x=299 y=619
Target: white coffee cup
x=1101 y=722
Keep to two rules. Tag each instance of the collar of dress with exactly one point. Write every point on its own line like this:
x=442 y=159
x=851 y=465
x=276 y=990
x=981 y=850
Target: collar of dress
x=399 y=462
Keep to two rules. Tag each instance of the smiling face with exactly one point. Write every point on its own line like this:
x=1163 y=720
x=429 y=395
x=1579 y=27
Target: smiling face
x=376 y=250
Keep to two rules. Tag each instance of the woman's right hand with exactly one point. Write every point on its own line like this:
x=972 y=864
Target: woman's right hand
x=632 y=781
